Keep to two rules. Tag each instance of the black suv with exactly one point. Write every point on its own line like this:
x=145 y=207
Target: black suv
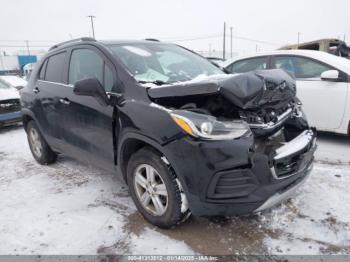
x=186 y=137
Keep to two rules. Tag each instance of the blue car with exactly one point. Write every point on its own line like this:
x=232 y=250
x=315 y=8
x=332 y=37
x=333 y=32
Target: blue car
x=10 y=107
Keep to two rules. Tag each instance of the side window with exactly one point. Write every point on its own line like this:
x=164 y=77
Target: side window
x=301 y=67
x=54 y=68
x=85 y=63
x=109 y=80
x=250 y=64
x=42 y=70
x=286 y=63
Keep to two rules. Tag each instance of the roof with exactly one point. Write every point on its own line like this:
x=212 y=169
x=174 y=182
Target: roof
x=130 y=41
x=104 y=42
x=333 y=60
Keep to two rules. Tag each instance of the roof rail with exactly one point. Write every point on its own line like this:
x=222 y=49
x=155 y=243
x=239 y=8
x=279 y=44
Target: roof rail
x=82 y=39
x=152 y=39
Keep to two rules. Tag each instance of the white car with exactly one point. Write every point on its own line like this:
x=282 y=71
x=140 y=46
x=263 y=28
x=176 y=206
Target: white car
x=13 y=81
x=323 y=83
x=10 y=108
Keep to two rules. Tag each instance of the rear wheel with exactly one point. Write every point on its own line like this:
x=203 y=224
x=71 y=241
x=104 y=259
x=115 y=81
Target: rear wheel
x=38 y=146
x=155 y=189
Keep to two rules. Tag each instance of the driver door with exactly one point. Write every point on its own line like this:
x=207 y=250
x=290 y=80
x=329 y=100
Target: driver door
x=89 y=125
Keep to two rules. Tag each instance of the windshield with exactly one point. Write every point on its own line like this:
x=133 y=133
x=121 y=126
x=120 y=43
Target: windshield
x=163 y=63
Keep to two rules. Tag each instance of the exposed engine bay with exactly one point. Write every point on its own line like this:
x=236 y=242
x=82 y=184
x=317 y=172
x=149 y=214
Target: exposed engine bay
x=264 y=99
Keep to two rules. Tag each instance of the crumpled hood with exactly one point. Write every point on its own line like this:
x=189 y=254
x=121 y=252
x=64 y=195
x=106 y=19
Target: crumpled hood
x=8 y=93
x=247 y=91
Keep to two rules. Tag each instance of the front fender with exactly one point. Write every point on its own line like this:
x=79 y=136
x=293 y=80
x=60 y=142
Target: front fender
x=148 y=119
x=126 y=136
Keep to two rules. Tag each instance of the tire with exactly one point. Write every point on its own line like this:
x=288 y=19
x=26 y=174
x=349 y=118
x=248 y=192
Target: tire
x=41 y=151
x=142 y=163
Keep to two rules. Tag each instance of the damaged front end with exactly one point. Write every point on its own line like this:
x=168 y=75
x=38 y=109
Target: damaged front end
x=264 y=100
x=271 y=148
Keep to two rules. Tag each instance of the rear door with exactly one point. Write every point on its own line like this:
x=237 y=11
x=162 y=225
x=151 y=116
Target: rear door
x=323 y=101
x=47 y=92
x=89 y=125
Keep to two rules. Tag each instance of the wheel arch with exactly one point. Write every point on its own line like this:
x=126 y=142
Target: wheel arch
x=27 y=116
x=131 y=143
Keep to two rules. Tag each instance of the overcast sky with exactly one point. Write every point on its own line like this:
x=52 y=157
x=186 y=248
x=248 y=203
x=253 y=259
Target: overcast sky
x=274 y=21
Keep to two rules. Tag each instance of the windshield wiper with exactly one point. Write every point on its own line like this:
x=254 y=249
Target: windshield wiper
x=156 y=82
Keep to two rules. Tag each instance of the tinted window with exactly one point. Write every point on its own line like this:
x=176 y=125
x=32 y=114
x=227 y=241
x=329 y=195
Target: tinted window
x=54 y=69
x=109 y=81
x=300 y=67
x=247 y=65
x=42 y=70
x=85 y=63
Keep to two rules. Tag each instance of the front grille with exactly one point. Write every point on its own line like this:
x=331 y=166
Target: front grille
x=265 y=115
x=9 y=106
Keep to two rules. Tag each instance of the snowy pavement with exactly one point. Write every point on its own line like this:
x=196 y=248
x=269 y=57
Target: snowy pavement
x=71 y=208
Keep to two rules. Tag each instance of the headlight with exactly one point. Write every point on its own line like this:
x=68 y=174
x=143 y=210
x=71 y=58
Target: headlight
x=208 y=127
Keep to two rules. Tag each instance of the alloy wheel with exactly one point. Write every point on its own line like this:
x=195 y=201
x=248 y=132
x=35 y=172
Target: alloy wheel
x=150 y=190
x=35 y=142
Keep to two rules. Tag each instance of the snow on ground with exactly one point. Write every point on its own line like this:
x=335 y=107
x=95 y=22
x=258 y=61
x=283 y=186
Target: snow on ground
x=333 y=149
x=317 y=219
x=65 y=208
x=72 y=208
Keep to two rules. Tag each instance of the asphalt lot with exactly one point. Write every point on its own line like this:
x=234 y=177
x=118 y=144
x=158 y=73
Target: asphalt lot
x=72 y=208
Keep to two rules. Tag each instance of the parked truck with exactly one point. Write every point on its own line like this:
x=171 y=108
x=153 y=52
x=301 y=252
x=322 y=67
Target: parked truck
x=331 y=45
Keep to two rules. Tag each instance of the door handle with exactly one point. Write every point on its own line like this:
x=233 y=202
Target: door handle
x=36 y=90
x=65 y=101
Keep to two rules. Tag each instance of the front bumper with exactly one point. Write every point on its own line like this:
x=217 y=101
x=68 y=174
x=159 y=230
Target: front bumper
x=285 y=193
x=231 y=178
x=10 y=118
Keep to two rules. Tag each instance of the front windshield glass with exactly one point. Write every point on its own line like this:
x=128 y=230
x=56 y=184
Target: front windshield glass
x=163 y=63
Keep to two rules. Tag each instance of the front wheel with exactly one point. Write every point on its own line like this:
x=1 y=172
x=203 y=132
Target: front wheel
x=40 y=149
x=155 y=189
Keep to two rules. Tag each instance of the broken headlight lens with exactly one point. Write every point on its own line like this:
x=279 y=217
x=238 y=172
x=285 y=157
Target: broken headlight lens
x=208 y=127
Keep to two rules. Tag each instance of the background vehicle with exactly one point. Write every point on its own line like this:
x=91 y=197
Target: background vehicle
x=333 y=46
x=13 y=81
x=322 y=83
x=175 y=126
x=10 y=108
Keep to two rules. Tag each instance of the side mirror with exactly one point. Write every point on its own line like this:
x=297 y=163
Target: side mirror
x=330 y=75
x=91 y=87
